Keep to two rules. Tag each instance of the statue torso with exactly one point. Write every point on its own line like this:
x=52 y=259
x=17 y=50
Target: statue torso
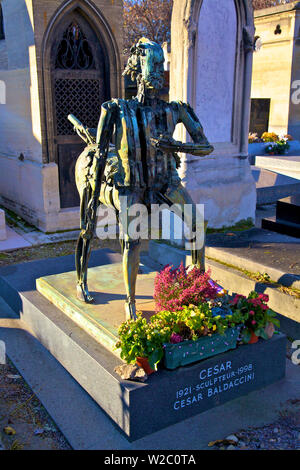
x=143 y=165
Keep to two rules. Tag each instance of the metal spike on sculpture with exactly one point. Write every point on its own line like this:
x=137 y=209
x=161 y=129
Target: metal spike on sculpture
x=144 y=162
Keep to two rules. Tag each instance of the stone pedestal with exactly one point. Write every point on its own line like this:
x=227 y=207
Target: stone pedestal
x=138 y=409
x=102 y=318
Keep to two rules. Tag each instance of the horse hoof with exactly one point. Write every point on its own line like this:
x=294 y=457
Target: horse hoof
x=84 y=295
x=130 y=311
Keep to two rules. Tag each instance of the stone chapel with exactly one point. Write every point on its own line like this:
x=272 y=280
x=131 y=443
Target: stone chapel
x=56 y=57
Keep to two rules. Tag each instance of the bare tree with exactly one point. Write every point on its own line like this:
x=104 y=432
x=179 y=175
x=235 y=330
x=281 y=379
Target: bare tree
x=149 y=18
x=260 y=4
x=152 y=18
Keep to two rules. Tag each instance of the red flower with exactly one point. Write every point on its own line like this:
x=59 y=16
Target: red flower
x=264 y=297
x=175 y=338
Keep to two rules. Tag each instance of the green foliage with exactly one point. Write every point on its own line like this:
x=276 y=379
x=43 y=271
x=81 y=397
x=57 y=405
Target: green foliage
x=148 y=18
x=244 y=224
x=141 y=339
x=146 y=339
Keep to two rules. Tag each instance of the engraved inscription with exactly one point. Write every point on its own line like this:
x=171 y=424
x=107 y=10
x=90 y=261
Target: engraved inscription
x=214 y=381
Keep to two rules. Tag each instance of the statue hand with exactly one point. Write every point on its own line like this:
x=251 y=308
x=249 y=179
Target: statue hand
x=199 y=150
x=166 y=143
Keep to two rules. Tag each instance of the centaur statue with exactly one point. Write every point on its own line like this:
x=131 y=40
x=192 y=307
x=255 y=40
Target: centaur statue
x=142 y=165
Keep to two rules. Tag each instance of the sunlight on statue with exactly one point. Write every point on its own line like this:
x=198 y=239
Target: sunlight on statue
x=141 y=166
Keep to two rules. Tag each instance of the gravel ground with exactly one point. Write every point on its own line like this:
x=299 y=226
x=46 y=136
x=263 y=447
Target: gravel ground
x=283 y=434
x=24 y=422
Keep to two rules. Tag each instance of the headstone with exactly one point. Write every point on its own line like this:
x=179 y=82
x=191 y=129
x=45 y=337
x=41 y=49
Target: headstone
x=287 y=220
x=259 y=118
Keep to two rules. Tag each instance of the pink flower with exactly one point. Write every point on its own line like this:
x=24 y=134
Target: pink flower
x=237 y=298
x=251 y=312
x=175 y=338
x=253 y=322
x=264 y=297
x=175 y=287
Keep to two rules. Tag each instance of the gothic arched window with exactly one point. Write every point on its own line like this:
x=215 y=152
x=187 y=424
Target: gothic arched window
x=80 y=78
x=2 y=35
x=74 y=51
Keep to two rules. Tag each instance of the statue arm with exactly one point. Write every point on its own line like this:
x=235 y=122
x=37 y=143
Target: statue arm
x=104 y=134
x=201 y=146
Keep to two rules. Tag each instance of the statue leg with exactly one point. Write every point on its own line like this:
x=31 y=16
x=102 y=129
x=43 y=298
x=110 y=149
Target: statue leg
x=131 y=257
x=82 y=253
x=180 y=197
x=131 y=261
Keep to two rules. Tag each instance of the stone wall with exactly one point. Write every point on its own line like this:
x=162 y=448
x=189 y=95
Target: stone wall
x=17 y=114
x=294 y=101
x=276 y=64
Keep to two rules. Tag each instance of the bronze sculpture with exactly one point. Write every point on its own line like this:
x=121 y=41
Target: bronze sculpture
x=142 y=165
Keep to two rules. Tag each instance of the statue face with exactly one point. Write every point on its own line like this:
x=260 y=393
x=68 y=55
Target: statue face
x=152 y=65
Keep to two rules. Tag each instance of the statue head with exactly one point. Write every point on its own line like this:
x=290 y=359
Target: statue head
x=146 y=65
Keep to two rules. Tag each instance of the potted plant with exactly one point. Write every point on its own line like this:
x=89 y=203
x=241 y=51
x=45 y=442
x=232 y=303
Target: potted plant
x=278 y=148
x=258 y=319
x=197 y=333
x=142 y=343
x=180 y=337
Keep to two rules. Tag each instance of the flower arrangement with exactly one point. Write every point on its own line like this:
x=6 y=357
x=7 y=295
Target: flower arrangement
x=175 y=288
x=190 y=307
x=147 y=339
x=269 y=137
x=257 y=317
x=253 y=138
x=279 y=147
